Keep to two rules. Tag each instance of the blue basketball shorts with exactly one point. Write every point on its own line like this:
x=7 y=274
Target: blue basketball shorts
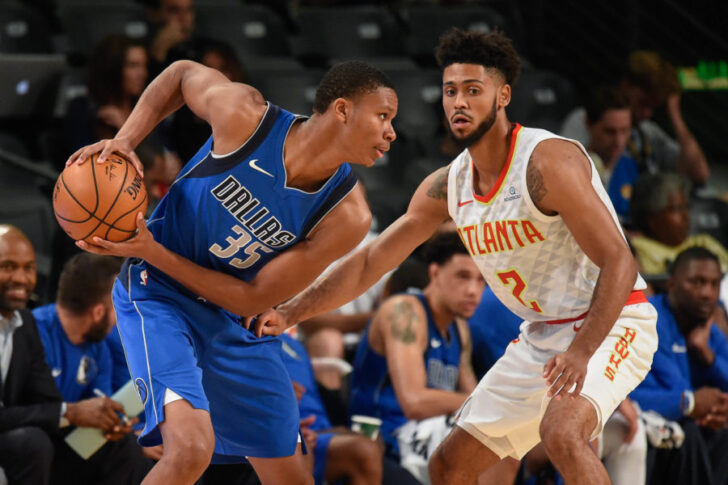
x=200 y=352
x=320 y=452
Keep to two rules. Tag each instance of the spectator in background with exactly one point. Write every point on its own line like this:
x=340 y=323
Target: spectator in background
x=659 y=211
x=688 y=381
x=338 y=453
x=650 y=82
x=413 y=362
x=156 y=177
x=172 y=22
x=326 y=334
x=609 y=121
x=188 y=132
x=73 y=332
x=30 y=404
x=117 y=75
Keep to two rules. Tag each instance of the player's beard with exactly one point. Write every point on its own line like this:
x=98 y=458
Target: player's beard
x=483 y=128
x=99 y=330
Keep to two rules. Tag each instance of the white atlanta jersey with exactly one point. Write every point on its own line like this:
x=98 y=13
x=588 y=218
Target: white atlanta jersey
x=530 y=260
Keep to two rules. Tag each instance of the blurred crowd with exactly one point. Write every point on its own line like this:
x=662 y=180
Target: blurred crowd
x=61 y=362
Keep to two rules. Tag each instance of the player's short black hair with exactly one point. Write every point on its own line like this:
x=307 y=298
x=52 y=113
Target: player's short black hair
x=443 y=246
x=603 y=98
x=348 y=79
x=492 y=50
x=694 y=253
x=86 y=279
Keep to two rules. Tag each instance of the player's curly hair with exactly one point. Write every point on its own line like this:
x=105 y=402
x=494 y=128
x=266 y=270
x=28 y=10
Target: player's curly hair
x=492 y=50
x=348 y=79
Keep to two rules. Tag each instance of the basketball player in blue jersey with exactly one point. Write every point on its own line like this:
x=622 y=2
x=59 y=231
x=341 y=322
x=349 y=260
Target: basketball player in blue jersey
x=531 y=209
x=261 y=210
x=413 y=362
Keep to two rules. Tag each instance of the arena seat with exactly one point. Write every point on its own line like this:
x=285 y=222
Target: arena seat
x=347 y=32
x=29 y=84
x=427 y=22
x=293 y=88
x=541 y=99
x=87 y=22
x=253 y=30
x=23 y=30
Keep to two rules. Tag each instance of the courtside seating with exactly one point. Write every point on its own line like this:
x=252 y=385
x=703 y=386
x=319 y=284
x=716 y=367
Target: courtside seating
x=86 y=23
x=541 y=99
x=253 y=30
x=346 y=32
x=23 y=30
x=427 y=22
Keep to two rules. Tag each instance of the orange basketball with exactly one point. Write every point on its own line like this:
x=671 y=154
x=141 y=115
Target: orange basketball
x=99 y=199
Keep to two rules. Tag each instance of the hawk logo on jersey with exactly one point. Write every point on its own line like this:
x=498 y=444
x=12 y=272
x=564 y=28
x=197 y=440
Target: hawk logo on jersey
x=512 y=194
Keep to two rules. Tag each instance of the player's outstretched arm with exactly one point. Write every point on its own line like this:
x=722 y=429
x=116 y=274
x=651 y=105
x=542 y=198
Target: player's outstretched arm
x=559 y=181
x=364 y=267
x=232 y=110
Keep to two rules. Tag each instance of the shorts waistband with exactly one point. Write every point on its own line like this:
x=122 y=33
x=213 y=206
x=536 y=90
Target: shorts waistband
x=637 y=296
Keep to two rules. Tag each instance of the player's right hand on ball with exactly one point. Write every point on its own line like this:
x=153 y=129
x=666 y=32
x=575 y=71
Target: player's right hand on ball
x=105 y=148
x=270 y=322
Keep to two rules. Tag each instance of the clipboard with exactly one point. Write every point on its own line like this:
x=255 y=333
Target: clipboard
x=87 y=441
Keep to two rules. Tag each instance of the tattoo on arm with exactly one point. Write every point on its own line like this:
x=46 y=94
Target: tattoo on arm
x=438 y=189
x=402 y=319
x=534 y=182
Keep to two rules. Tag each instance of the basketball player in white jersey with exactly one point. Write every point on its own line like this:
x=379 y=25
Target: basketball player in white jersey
x=532 y=212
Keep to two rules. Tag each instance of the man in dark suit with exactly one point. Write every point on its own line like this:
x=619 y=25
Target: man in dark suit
x=32 y=409
x=30 y=404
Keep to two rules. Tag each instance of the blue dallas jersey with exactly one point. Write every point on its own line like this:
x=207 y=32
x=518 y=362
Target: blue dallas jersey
x=234 y=213
x=77 y=369
x=372 y=393
x=230 y=213
x=674 y=371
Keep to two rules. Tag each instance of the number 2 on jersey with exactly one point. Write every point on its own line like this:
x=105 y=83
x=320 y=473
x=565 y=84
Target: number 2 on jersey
x=518 y=288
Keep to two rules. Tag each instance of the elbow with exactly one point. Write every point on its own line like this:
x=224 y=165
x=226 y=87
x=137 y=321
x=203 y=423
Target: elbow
x=702 y=175
x=412 y=409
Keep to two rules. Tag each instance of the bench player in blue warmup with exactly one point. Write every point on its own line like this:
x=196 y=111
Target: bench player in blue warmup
x=262 y=209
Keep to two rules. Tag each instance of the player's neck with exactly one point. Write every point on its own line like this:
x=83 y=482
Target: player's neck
x=74 y=326
x=490 y=153
x=440 y=313
x=310 y=155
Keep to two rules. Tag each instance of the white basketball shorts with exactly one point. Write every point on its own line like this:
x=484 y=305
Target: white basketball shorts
x=505 y=409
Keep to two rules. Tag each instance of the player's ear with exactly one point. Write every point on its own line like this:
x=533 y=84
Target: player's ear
x=504 y=95
x=98 y=311
x=432 y=270
x=342 y=109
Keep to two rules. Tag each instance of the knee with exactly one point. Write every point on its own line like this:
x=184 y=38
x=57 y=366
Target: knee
x=558 y=440
x=369 y=457
x=438 y=468
x=35 y=445
x=189 y=450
